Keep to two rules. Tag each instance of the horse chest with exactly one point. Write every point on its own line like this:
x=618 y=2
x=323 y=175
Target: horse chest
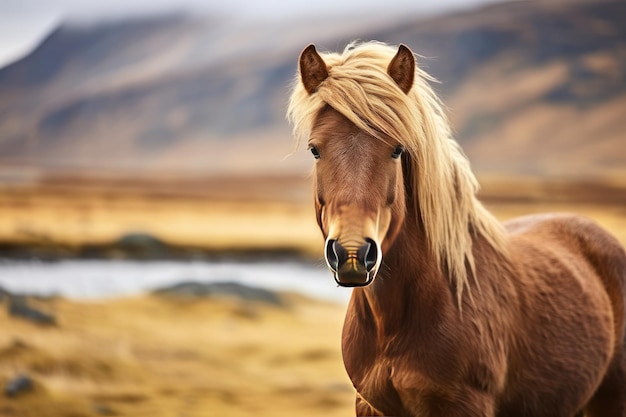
x=401 y=376
x=376 y=386
x=389 y=386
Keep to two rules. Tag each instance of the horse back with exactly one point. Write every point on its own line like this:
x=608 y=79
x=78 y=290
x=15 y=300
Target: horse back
x=581 y=244
x=570 y=276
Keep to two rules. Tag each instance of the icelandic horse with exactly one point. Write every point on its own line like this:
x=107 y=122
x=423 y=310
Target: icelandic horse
x=452 y=313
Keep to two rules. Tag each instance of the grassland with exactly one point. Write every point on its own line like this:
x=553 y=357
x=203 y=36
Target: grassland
x=232 y=215
x=161 y=356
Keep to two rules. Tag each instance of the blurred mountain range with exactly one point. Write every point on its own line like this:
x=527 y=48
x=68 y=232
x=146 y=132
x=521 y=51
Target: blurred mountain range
x=533 y=88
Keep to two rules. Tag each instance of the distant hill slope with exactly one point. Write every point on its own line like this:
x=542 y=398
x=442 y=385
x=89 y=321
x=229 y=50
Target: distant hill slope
x=533 y=88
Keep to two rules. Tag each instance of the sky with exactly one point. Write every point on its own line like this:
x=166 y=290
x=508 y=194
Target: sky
x=23 y=23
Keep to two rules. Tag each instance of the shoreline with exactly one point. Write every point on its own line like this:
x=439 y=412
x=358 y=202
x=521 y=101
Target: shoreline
x=109 y=279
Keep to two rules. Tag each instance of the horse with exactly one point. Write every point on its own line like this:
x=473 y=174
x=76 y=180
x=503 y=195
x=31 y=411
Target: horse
x=452 y=313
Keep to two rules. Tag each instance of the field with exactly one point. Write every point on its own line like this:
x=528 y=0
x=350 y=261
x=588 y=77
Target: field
x=234 y=214
x=165 y=356
x=196 y=356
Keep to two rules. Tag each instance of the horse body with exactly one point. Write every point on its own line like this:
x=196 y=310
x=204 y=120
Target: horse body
x=524 y=347
x=465 y=317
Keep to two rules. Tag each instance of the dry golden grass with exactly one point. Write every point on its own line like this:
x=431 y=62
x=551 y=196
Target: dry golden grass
x=154 y=356
x=76 y=217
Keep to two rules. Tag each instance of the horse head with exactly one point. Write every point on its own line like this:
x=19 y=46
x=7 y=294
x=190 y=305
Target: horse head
x=358 y=178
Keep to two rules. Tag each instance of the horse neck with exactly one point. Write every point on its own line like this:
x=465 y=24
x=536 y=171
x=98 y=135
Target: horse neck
x=411 y=287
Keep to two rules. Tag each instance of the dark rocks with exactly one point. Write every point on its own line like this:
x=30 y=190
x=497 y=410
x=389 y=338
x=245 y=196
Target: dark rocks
x=18 y=307
x=222 y=289
x=18 y=385
x=4 y=295
x=41 y=249
x=103 y=410
x=141 y=246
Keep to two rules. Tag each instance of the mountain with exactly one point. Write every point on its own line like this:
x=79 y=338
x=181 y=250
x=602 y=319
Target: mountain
x=533 y=88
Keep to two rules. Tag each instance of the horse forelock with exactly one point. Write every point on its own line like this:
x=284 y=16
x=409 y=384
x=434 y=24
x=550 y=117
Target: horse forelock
x=359 y=88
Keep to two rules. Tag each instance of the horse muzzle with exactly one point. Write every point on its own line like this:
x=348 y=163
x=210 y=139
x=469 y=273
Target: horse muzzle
x=353 y=265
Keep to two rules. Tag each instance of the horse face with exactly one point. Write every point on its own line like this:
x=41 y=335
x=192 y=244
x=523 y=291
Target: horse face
x=359 y=196
x=359 y=186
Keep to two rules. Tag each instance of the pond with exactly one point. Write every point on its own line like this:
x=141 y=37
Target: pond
x=94 y=279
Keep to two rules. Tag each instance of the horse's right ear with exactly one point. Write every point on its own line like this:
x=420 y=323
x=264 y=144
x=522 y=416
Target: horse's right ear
x=312 y=69
x=402 y=68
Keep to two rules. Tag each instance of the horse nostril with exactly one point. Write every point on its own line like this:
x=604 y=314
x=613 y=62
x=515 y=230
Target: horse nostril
x=336 y=254
x=368 y=254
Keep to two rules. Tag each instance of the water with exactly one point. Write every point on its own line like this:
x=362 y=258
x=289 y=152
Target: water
x=93 y=279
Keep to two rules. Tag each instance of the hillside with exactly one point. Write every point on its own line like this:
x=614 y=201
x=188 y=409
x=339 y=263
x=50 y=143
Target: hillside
x=533 y=88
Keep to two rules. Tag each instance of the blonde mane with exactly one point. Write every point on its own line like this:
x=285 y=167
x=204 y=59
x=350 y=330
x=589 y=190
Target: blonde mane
x=359 y=87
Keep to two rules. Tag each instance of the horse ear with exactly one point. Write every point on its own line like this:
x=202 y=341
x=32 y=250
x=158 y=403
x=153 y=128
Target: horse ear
x=402 y=68
x=312 y=69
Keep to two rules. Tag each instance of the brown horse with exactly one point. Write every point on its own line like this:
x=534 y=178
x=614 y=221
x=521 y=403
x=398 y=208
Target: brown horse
x=452 y=314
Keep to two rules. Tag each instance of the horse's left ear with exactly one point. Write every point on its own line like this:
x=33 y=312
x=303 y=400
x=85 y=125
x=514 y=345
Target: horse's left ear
x=312 y=69
x=402 y=68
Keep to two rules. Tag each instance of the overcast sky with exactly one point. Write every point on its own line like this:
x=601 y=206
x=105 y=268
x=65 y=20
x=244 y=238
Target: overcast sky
x=24 y=22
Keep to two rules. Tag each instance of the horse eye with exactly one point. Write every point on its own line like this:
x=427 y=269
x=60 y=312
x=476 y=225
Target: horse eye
x=315 y=152
x=397 y=152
